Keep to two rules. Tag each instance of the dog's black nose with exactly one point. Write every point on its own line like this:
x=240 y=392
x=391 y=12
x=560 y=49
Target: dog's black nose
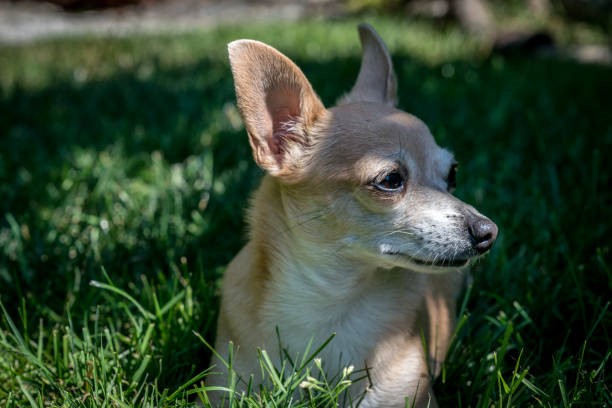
x=483 y=233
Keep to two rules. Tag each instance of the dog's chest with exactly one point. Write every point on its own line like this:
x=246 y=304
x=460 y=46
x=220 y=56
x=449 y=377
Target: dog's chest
x=360 y=314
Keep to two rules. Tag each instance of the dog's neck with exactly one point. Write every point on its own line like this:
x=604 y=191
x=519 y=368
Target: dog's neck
x=300 y=261
x=309 y=290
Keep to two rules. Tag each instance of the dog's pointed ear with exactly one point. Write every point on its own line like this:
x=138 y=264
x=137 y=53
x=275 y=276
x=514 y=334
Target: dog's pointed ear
x=376 y=81
x=277 y=104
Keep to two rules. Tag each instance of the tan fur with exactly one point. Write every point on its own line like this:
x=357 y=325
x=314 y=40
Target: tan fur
x=334 y=249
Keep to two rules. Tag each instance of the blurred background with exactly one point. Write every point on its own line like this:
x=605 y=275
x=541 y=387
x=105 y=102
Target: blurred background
x=23 y=20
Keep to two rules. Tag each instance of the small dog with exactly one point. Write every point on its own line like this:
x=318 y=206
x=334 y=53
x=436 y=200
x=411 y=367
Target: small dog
x=353 y=231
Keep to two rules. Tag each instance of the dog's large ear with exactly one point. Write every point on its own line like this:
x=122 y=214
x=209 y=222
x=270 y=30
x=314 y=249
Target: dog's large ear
x=277 y=104
x=376 y=80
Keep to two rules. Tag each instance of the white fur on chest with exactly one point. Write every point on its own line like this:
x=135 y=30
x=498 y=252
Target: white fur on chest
x=371 y=314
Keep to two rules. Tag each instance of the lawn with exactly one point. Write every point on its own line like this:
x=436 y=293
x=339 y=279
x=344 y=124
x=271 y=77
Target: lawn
x=125 y=172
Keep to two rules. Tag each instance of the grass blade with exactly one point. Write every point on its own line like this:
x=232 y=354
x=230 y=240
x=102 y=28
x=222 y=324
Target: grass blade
x=125 y=295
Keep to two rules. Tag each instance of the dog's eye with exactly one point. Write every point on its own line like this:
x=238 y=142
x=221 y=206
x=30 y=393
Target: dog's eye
x=390 y=182
x=451 y=179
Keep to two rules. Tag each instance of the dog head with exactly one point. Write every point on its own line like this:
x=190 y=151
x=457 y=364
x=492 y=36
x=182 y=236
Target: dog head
x=363 y=179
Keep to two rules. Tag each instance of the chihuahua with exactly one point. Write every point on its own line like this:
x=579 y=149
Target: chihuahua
x=354 y=231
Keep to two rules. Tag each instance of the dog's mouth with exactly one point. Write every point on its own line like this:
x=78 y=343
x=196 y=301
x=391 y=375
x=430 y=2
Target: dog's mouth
x=444 y=263
x=436 y=262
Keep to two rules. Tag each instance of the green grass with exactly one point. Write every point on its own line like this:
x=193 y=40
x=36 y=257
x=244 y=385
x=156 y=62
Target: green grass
x=125 y=172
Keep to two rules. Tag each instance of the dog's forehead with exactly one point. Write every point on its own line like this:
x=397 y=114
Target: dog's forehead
x=368 y=128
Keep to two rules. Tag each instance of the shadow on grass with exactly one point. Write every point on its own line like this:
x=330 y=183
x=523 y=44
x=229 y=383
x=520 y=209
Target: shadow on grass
x=153 y=163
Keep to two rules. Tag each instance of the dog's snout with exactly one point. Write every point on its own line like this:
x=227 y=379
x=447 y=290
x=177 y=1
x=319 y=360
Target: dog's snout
x=483 y=233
